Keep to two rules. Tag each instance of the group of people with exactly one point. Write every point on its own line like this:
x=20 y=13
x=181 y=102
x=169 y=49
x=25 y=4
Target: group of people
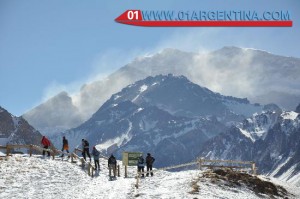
x=149 y=163
x=46 y=144
x=112 y=162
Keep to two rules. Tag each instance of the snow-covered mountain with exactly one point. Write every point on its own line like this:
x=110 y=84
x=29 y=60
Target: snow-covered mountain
x=166 y=115
x=258 y=75
x=16 y=130
x=181 y=97
x=271 y=139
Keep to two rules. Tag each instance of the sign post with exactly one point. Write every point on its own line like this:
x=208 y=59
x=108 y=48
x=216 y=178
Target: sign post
x=130 y=159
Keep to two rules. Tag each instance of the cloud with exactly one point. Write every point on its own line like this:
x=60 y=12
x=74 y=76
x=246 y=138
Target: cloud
x=235 y=73
x=107 y=62
x=235 y=76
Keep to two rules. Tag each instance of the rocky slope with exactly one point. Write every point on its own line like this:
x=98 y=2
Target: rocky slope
x=271 y=139
x=16 y=130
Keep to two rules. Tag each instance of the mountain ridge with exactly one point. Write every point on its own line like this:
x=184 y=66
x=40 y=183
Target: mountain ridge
x=16 y=130
x=271 y=139
x=164 y=114
x=258 y=75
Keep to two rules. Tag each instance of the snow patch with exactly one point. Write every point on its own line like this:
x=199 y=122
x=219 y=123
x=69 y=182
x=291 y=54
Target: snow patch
x=247 y=134
x=116 y=97
x=289 y=177
x=273 y=173
x=143 y=88
x=118 y=141
x=289 y=115
x=139 y=109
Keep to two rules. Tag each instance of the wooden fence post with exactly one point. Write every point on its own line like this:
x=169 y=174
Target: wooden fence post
x=200 y=163
x=125 y=171
x=109 y=173
x=7 y=150
x=89 y=169
x=82 y=162
x=253 y=168
x=118 y=170
x=137 y=180
x=30 y=150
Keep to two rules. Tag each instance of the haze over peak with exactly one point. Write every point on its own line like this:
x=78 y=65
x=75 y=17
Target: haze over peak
x=239 y=72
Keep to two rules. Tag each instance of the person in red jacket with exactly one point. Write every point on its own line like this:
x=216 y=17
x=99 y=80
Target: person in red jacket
x=46 y=143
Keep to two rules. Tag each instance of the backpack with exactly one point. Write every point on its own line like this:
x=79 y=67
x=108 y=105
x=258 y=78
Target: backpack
x=149 y=160
x=86 y=143
x=141 y=160
x=112 y=160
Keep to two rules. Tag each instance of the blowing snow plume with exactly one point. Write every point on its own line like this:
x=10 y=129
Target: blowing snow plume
x=255 y=74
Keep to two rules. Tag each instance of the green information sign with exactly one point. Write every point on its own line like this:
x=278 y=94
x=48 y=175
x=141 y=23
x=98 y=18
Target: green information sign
x=131 y=158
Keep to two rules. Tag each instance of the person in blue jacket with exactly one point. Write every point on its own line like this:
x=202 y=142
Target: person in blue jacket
x=140 y=165
x=96 y=155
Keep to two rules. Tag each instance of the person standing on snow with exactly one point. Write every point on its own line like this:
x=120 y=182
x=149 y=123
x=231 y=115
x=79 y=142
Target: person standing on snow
x=96 y=155
x=65 y=146
x=46 y=143
x=140 y=165
x=112 y=164
x=149 y=163
x=85 y=149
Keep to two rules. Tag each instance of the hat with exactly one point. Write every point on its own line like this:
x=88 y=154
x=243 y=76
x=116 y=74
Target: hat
x=148 y=154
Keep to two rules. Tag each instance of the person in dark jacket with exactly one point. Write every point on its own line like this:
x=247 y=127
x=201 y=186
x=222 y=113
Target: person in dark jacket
x=112 y=164
x=46 y=143
x=96 y=155
x=149 y=163
x=65 y=146
x=140 y=165
x=85 y=149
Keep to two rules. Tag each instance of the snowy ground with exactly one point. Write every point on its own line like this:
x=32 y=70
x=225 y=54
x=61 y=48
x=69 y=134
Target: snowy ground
x=35 y=177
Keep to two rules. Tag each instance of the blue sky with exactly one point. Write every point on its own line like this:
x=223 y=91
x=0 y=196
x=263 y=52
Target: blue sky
x=51 y=45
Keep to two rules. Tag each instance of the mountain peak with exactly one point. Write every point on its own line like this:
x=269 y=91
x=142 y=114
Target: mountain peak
x=162 y=78
x=16 y=130
x=233 y=50
x=181 y=97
